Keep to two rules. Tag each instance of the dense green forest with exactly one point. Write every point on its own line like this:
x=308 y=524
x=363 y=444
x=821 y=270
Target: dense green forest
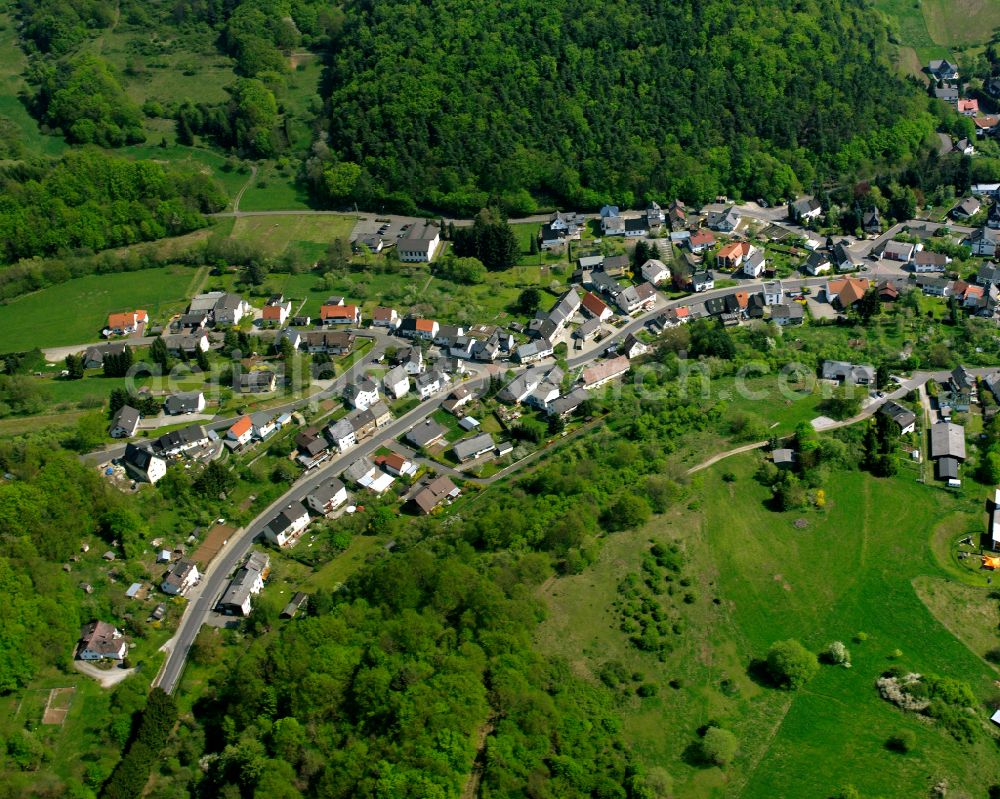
x=583 y=101
x=87 y=200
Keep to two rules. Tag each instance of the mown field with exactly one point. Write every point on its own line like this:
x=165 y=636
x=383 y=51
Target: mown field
x=758 y=579
x=74 y=312
x=276 y=234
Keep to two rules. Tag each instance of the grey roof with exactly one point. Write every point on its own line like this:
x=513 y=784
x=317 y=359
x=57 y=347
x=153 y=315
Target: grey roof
x=636 y=224
x=783 y=456
x=804 y=205
x=471 y=446
x=326 y=491
x=423 y=434
x=947 y=468
x=287 y=516
x=127 y=418
x=395 y=375
x=588 y=328
x=358 y=469
x=962 y=379
x=791 y=311
x=429 y=378
x=341 y=429
x=260 y=379
x=900 y=414
x=947 y=440
x=841 y=370
x=605 y=284
x=189 y=435
x=182 y=402
x=568 y=403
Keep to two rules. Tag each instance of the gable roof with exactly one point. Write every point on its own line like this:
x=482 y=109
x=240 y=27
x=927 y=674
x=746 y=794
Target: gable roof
x=947 y=440
x=241 y=426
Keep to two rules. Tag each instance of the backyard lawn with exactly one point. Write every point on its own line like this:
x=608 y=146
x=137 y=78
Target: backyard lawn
x=74 y=312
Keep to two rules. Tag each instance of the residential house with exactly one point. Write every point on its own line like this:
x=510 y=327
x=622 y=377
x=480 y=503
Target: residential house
x=632 y=347
x=458 y=399
x=588 y=329
x=125 y=422
x=361 y=394
x=947 y=94
x=725 y=220
x=246 y=584
x=672 y=317
x=784 y=458
x=411 y=359
x=700 y=240
x=339 y=342
x=986 y=125
x=230 y=309
x=603 y=283
x=612 y=226
x=311 y=447
x=276 y=310
x=295 y=337
x=702 y=280
x=385 y=317
x=565 y=405
x=327 y=496
x=943 y=70
x=533 y=351
x=654 y=271
x=266 y=423
x=525 y=384
x=732 y=255
x=927 y=261
x=340 y=315
x=191 y=322
x=186 y=343
x=988 y=274
x=844 y=292
x=446 y=335
x=178 y=442
x=604 y=372
x=286 y=527
x=123 y=324
x=260 y=381
x=968 y=107
x=871 y=222
x=655 y=215
x=365 y=474
x=965 y=147
x=340 y=434
x=887 y=292
x=544 y=393
x=413 y=327
x=241 y=431
x=993 y=217
x=471 y=448
x=677 y=215
x=947 y=449
x=817 y=263
x=396 y=382
x=93 y=357
x=616 y=265
x=636 y=227
x=142 y=464
x=609 y=210
x=430 y=383
x=184 y=402
x=905 y=419
x=100 y=640
x=182 y=576
x=983 y=242
x=841 y=257
x=961 y=380
x=588 y=263
x=596 y=307
x=437 y=491
x=426 y=434
x=420 y=243
x=792 y=313
x=774 y=292
x=934 y=286
x=968 y=207
x=804 y=210
x=849 y=373
x=754 y=264
x=396 y=465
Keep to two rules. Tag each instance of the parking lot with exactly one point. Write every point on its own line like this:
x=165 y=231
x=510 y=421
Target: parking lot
x=390 y=228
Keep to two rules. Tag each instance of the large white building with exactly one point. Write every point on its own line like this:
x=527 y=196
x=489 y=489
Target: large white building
x=420 y=243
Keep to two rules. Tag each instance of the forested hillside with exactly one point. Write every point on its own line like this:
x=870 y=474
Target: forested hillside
x=584 y=101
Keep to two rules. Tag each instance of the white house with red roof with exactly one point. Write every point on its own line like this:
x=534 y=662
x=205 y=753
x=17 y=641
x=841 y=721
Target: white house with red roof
x=596 y=307
x=122 y=324
x=340 y=315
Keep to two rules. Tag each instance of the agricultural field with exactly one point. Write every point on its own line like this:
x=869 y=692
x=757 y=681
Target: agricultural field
x=756 y=578
x=75 y=311
x=935 y=28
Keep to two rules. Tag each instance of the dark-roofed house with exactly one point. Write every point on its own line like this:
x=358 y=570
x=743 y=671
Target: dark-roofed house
x=177 y=442
x=474 y=447
x=125 y=422
x=858 y=374
x=927 y=261
x=182 y=575
x=983 y=242
x=904 y=418
x=804 y=209
x=942 y=69
x=968 y=207
x=871 y=222
x=327 y=496
x=184 y=402
x=440 y=489
x=961 y=379
x=725 y=220
x=426 y=434
x=143 y=464
x=286 y=527
x=246 y=583
x=260 y=381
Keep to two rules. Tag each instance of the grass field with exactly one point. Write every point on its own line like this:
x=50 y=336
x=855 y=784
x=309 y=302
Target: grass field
x=75 y=311
x=275 y=234
x=960 y=22
x=758 y=580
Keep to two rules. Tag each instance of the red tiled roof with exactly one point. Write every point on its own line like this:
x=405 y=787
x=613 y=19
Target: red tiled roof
x=241 y=426
x=424 y=325
x=272 y=313
x=594 y=304
x=702 y=237
x=381 y=314
x=338 y=312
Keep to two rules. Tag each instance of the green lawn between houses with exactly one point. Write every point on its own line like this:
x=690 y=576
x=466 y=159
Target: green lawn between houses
x=851 y=569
